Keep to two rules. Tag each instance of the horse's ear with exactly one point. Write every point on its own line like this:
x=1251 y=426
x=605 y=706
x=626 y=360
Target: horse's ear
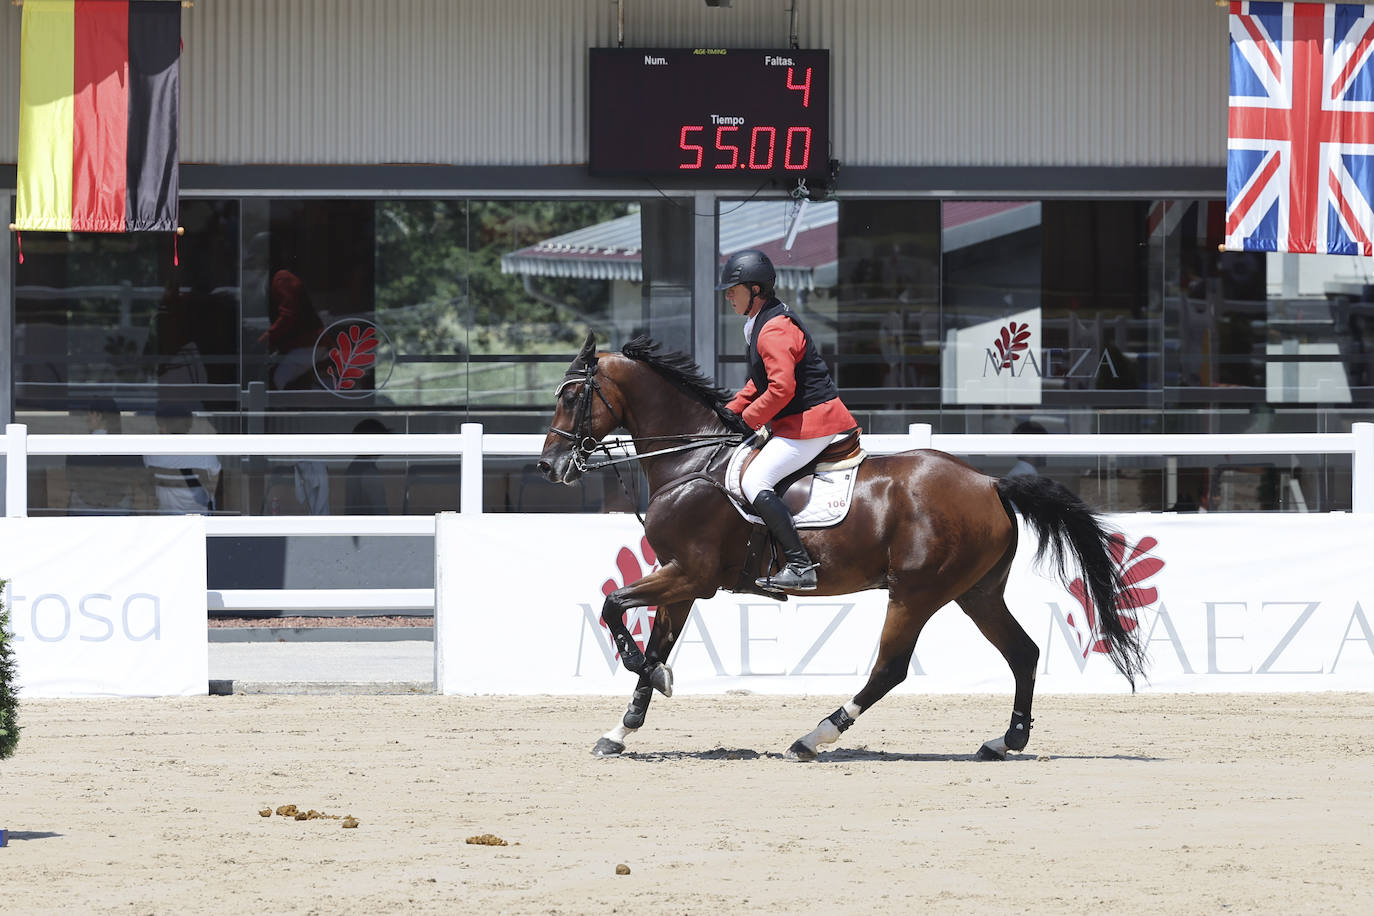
x=586 y=357
x=588 y=349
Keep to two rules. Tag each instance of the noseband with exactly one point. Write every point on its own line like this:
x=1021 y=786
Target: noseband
x=583 y=443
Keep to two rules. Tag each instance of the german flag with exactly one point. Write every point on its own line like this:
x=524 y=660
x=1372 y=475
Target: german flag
x=98 y=102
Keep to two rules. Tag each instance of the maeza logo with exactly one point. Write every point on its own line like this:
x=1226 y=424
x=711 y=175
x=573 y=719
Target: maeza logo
x=1136 y=568
x=1012 y=353
x=346 y=351
x=632 y=568
x=1010 y=343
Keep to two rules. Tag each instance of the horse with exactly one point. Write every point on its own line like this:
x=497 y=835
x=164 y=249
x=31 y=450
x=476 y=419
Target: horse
x=926 y=526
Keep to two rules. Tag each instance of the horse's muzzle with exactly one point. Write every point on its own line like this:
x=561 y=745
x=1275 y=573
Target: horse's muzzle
x=560 y=468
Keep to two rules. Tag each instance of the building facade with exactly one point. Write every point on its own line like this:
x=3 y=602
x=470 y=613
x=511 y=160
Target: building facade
x=391 y=222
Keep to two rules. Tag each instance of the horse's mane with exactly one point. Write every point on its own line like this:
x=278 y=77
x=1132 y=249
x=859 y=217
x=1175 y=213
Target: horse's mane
x=679 y=369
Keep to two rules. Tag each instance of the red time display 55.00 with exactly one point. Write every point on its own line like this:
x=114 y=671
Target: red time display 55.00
x=709 y=111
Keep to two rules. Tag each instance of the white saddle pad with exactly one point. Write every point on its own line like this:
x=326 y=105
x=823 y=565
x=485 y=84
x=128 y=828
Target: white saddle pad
x=832 y=493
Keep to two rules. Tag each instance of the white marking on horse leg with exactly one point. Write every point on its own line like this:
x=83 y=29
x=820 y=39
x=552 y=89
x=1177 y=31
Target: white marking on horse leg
x=996 y=746
x=619 y=733
x=612 y=743
x=827 y=731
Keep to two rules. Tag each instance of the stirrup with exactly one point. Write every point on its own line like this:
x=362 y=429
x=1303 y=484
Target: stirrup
x=794 y=578
x=759 y=588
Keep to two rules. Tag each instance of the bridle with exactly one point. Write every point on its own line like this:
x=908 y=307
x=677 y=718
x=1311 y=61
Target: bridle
x=583 y=443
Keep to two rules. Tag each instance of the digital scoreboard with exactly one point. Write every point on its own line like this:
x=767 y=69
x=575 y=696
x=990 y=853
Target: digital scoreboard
x=709 y=112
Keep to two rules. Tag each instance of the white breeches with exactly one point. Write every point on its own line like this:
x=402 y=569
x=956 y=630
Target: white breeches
x=778 y=458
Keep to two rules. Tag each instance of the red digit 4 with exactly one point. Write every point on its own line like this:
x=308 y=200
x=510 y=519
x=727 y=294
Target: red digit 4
x=804 y=87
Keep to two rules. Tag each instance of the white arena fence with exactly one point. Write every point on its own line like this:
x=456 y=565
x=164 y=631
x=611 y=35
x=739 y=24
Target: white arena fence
x=109 y=605
x=471 y=444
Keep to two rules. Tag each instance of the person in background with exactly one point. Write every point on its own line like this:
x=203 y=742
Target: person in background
x=364 y=493
x=789 y=387
x=291 y=339
x=184 y=484
x=296 y=327
x=1027 y=464
x=104 y=484
x=302 y=488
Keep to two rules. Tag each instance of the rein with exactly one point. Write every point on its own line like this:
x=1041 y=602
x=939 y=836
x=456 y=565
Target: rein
x=692 y=442
x=584 y=445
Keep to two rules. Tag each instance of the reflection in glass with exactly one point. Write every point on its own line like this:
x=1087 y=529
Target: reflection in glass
x=312 y=314
x=800 y=238
x=109 y=316
x=888 y=301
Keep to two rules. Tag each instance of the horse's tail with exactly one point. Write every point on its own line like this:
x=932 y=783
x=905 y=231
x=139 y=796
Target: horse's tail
x=1064 y=523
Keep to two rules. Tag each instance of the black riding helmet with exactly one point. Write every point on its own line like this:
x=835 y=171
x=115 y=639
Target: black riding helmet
x=748 y=266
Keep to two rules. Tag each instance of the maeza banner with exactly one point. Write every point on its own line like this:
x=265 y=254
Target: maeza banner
x=1228 y=603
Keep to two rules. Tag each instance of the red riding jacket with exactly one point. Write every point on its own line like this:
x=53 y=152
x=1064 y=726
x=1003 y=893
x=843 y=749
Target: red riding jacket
x=782 y=346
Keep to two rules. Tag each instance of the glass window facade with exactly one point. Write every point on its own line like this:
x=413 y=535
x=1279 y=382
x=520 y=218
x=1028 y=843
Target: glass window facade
x=317 y=315
x=419 y=314
x=1077 y=316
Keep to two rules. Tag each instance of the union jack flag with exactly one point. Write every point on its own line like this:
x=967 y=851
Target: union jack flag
x=1300 y=138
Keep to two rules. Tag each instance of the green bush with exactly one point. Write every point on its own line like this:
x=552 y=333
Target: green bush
x=9 y=702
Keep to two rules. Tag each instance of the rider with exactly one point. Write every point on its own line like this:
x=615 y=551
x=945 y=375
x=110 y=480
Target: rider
x=790 y=387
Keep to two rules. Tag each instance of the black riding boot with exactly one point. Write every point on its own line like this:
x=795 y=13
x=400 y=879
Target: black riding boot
x=800 y=573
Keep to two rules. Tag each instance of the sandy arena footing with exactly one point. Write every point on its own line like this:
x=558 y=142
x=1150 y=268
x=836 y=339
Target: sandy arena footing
x=1158 y=804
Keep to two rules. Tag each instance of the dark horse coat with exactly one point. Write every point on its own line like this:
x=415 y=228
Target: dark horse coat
x=924 y=525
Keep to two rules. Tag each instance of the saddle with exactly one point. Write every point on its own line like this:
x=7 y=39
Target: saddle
x=797 y=488
x=818 y=496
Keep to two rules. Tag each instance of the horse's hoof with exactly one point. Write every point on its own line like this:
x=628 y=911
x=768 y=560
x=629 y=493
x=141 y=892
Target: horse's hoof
x=607 y=748
x=662 y=679
x=996 y=749
x=799 y=751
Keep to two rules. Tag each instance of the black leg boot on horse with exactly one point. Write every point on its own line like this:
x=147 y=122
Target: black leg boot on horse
x=799 y=575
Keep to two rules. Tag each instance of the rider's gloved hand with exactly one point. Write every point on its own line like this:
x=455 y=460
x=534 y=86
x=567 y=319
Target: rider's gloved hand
x=734 y=421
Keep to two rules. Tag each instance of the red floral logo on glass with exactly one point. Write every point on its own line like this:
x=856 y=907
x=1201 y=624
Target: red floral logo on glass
x=351 y=354
x=639 y=621
x=1011 y=341
x=347 y=351
x=1135 y=569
